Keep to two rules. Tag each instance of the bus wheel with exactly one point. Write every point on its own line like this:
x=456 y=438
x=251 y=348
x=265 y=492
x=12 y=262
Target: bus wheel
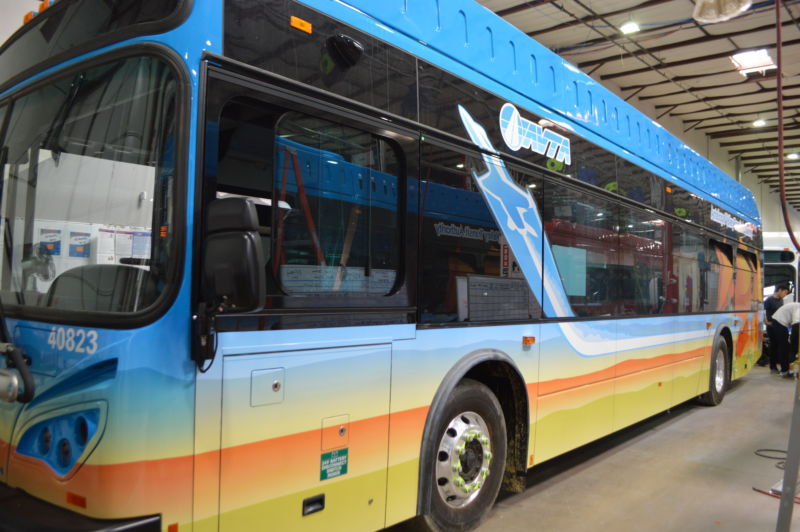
x=469 y=461
x=720 y=375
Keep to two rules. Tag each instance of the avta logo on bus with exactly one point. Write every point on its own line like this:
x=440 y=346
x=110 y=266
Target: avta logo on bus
x=520 y=132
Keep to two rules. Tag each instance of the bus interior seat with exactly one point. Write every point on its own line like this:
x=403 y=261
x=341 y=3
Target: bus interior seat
x=264 y=213
x=103 y=288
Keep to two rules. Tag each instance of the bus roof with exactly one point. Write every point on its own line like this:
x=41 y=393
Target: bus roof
x=480 y=43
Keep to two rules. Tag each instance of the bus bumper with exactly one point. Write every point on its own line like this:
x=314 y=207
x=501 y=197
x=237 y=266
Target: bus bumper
x=22 y=512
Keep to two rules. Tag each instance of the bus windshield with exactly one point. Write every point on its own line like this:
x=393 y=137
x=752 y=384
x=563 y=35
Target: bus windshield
x=87 y=185
x=775 y=274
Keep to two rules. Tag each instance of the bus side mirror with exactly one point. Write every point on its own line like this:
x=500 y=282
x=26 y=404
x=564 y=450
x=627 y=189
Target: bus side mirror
x=233 y=261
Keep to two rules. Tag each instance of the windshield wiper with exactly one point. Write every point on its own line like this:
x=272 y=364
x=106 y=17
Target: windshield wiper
x=51 y=138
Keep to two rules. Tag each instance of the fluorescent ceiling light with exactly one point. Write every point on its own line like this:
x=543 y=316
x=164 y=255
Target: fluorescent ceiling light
x=753 y=61
x=629 y=27
x=760 y=122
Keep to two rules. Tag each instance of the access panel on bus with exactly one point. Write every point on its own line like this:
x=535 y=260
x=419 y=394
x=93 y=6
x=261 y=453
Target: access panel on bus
x=305 y=432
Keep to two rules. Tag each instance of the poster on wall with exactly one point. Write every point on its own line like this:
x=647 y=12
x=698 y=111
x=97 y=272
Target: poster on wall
x=50 y=242
x=123 y=244
x=105 y=246
x=80 y=244
x=140 y=248
x=115 y=244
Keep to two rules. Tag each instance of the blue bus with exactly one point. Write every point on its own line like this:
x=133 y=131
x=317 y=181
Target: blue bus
x=336 y=264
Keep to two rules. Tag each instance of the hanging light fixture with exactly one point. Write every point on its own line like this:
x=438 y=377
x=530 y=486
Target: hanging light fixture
x=629 y=27
x=710 y=11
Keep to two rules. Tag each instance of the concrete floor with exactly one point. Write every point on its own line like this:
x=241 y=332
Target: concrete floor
x=690 y=469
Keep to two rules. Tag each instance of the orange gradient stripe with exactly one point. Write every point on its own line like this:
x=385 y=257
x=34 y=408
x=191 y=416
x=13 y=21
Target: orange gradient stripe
x=749 y=335
x=267 y=469
x=406 y=433
x=117 y=490
x=626 y=367
x=207 y=467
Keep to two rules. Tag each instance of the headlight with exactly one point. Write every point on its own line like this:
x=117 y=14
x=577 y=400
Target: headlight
x=60 y=441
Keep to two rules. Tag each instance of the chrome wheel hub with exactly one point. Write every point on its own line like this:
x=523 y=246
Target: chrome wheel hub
x=719 y=375
x=463 y=459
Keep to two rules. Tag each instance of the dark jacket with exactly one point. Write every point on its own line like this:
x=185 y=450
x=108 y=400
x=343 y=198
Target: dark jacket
x=771 y=304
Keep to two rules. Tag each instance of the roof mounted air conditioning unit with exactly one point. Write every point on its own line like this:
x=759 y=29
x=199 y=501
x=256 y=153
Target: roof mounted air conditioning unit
x=710 y=11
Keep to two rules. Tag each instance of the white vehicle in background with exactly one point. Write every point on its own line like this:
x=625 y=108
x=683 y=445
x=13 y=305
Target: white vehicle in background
x=780 y=267
x=780 y=263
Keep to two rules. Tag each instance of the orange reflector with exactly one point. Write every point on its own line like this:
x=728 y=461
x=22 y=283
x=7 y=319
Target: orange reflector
x=528 y=340
x=172 y=527
x=29 y=16
x=530 y=461
x=669 y=190
x=163 y=231
x=300 y=24
x=76 y=500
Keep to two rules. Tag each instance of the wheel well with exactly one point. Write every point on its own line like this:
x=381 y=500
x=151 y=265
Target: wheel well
x=510 y=390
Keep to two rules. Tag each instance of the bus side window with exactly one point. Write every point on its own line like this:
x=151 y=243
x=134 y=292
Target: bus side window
x=640 y=185
x=244 y=137
x=336 y=187
x=648 y=287
x=690 y=268
x=582 y=231
x=468 y=270
x=720 y=276
x=746 y=297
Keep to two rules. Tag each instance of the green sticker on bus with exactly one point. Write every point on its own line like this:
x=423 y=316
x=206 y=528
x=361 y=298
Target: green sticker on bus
x=333 y=464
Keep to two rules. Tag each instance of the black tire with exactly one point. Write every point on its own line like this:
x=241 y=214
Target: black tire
x=471 y=429
x=719 y=377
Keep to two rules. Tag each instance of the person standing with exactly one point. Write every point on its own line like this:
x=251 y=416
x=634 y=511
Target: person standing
x=783 y=319
x=771 y=304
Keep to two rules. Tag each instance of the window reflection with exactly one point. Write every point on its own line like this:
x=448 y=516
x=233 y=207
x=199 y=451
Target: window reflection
x=648 y=286
x=690 y=268
x=339 y=229
x=582 y=231
x=468 y=270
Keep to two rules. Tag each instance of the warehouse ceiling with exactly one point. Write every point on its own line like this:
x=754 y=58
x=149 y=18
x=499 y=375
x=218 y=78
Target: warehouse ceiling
x=683 y=68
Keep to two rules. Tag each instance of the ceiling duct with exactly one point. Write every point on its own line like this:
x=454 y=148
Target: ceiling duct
x=710 y=11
